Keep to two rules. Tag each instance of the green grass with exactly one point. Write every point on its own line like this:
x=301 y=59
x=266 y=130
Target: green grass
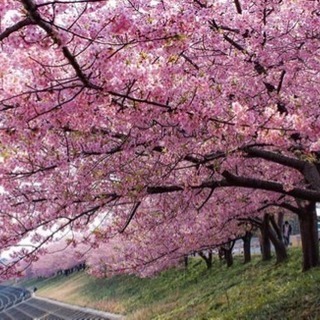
x=259 y=290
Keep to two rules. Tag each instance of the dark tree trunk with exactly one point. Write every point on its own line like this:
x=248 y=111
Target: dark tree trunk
x=279 y=247
x=274 y=225
x=247 y=246
x=210 y=259
x=207 y=259
x=229 y=257
x=265 y=239
x=280 y=223
x=227 y=252
x=221 y=253
x=309 y=236
x=275 y=235
x=186 y=261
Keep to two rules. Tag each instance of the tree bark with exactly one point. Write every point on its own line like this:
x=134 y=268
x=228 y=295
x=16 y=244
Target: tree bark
x=227 y=251
x=279 y=247
x=265 y=239
x=309 y=235
x=186 y=261
x=229 y=257
x=275 y=234
x=247 y=246
x=207 y=259
x=280 y=222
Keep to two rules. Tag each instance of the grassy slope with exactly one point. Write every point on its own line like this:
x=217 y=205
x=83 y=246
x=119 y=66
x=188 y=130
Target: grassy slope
x=258 y=290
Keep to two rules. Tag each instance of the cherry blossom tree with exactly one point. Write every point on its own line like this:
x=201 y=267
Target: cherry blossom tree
x=108 y=108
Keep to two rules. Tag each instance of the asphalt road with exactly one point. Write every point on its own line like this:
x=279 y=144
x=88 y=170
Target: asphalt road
x=18 y=304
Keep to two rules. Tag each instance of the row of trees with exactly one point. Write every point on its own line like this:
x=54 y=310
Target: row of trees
x=120 y=255
x=157 y=124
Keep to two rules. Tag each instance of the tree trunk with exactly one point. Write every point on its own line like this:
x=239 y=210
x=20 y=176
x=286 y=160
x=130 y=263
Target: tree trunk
x=227 y=250
x=275 y=235
x=247 y=246
x=276 y=227
x=280 y=222
x=229 y=257
x=207 y=259
x=265 y=239
x=186 y=261
x=309 y=236
x=279 y=247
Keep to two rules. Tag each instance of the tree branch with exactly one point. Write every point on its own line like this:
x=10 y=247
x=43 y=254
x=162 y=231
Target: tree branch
x=35 y=17
x=281 y=80
x=235 y=44
x=283 y=205
x=244 y=182
x=238 y=6
x=6 y=33
x=163 y=189
x=275 y=157
x=154 y=103
x=237 y=181
x=133 y=212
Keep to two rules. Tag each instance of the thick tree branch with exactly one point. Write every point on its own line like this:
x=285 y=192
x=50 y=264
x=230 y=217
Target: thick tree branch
x=308 y=169
x=237 y=181
x=283 y=205
x=238 y=6
x=244 y=182
x=163 y=189
x=6 y=33
x=275 y=157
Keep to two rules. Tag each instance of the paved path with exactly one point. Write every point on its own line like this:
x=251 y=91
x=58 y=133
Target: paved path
x=16 y=305
x=39 y=309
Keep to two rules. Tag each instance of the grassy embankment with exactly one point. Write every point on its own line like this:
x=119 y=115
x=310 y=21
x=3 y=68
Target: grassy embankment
x=259 y=290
